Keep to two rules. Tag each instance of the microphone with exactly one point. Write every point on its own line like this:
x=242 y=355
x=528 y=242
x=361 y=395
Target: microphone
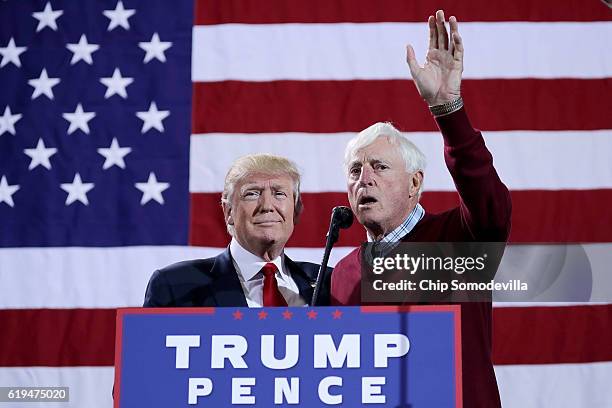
x=341 y=218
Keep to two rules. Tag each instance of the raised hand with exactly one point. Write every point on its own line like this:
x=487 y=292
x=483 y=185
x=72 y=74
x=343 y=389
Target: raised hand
x=439 y=80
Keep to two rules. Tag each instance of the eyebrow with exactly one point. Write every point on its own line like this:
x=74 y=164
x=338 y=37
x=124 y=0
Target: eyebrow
x=251 y=186
x=369 y=161
x=255 y=186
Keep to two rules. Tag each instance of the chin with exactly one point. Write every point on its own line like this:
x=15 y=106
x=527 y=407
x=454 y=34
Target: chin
x=267 y=236
x=271 y=236
x=367 y=217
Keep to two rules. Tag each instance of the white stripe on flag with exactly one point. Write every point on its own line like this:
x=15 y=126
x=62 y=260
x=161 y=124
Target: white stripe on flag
x=524 y=160
x=252 y=52
x=89 y=387
x=69 y=277
x=99 y=277
x=555 y=385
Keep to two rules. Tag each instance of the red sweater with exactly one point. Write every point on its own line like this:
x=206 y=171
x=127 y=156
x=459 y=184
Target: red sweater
x=483 y=215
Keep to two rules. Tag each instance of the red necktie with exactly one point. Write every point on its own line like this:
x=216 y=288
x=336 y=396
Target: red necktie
x=271 y=294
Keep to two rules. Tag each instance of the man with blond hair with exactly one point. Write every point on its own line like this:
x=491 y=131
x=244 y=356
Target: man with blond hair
x=261 y=203
x=384 y=179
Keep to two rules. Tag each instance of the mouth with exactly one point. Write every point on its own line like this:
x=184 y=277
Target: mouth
x=266 y=223
x=366 y=201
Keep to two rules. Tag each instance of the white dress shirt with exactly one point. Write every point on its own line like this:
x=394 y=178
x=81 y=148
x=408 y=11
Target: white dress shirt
x=248 y=266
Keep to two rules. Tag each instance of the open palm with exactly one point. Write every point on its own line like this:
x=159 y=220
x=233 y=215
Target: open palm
x=439 y=80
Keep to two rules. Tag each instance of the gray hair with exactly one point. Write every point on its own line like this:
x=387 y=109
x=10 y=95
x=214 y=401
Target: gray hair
x=268 y=164
x=412 y=155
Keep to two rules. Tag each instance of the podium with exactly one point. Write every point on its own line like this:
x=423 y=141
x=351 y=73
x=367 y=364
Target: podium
x=387 y=356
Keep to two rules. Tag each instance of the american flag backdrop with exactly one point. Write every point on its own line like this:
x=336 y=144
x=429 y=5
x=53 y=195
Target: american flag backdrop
x=119 y=119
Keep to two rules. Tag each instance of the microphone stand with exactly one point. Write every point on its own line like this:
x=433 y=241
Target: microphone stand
x=332 y=238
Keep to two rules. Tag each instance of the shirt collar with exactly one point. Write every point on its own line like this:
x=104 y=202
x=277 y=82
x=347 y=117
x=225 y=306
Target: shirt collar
x=405 y=227
x=248 y=264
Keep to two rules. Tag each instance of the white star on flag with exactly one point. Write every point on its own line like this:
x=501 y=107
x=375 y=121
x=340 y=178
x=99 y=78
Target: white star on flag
x=47 y=17
x=82 y=51
x=152 y=118
x=8 y=120
x=114 y=155
x=40 y=155
x=116 y=84
x=79 y=119
x=77 y=190
x=119 y=16
x=7 y=191
x=11 y=53
x=155 y=48
x=43 y=85
x=152 y=190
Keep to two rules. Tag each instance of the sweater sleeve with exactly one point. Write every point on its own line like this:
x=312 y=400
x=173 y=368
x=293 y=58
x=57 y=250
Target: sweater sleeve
x=485 y=206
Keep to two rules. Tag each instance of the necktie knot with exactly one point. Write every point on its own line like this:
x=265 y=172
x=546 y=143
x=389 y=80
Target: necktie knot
x=269 y=270
x=271 y=293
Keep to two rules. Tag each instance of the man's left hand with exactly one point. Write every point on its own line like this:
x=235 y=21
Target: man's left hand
x=439 y=80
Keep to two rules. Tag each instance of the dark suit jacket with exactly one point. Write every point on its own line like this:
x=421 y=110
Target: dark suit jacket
x=213 y=282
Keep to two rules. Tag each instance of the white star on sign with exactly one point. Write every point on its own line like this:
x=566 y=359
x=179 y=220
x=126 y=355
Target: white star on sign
x=77 y=190
x=116 y=84
x=119 y=16
x=82 y=51
x=8 y=120
x=47 y=17
x=152 y=190
x=152 y=118
x=11 y=53
x=155 y=48
x=40 y=155
x=7 y=191
x=43 y=85
x=114 y=155
x=79 y=119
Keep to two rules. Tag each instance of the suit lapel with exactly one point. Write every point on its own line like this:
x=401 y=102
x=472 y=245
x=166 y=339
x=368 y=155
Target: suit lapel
x=226 y=288
x=304 y=282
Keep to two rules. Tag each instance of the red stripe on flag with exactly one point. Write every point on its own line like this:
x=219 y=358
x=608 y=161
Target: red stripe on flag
x=345 y=106
x=552 y=335
x=521 y=335
x=562 y=216
x=365 y=11
x=57 y=337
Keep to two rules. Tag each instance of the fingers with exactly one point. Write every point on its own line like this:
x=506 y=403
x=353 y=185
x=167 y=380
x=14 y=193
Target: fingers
x=433 y=33
x=439 y=37
x=454 y=27
x=458 y=47
x=413 y=64
x=441 y=28
x=456 y=41
x=452 y=23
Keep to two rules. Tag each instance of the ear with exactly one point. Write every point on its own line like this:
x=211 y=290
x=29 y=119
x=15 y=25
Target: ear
x=227 y=214
x=416 y=180
x=297 y=211
x=296 y=217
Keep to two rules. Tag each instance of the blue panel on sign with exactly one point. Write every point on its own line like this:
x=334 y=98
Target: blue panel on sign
x=395 y=359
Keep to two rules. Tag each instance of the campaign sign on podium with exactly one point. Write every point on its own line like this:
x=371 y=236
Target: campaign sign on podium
x=311 y=357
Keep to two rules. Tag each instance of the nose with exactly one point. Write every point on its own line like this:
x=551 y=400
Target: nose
x=366 y=178
x=266 y=201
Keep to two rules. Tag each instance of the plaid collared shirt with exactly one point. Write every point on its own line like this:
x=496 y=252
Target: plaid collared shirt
x=390 y=241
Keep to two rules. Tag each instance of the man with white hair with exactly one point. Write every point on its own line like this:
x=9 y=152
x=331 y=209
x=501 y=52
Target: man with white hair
x=385 y=177
x=261 y=203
